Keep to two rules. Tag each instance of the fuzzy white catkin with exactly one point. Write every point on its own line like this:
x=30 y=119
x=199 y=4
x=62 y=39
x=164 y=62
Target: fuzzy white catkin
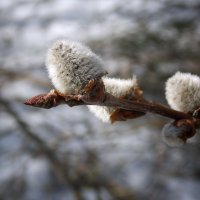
x=116 y=87
x=171 y=135
x=71 y=65
x=183 y=91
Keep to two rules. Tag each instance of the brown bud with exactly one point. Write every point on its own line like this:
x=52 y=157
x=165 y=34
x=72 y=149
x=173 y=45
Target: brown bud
x=187 y=128
x=47 y=101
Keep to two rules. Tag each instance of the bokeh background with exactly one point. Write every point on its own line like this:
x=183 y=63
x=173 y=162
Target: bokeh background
x=67 y=154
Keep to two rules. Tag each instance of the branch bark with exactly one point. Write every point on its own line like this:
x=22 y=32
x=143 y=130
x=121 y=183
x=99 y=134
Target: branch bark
x=96 y=95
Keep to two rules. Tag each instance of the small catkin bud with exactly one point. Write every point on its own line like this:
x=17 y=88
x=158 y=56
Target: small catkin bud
x=183 y=92
x=72 y=65
x=176 y=133
x=116 y=87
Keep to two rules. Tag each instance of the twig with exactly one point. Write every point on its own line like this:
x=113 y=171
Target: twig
x=97 y=96
x=183 y=127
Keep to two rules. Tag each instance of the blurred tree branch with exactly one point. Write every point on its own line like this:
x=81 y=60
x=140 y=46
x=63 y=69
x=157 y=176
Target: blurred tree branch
x=87 y=174
x=19 y=75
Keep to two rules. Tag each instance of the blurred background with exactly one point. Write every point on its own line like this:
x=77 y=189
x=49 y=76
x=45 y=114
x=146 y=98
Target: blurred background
x=67 y=154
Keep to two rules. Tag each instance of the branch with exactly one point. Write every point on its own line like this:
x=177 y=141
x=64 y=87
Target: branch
x=96 y=95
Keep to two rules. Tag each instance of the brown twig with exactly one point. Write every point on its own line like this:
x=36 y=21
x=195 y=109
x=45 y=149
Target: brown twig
x=97 y=96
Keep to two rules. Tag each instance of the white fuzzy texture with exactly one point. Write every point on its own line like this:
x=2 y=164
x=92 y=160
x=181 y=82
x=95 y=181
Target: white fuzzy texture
x=71 y=65
x=183 y=92
x=171 y=135
x=116 y=87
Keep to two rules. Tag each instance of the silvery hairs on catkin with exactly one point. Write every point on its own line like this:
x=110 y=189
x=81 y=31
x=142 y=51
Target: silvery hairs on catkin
x=71 y=65
x=183 y=91
x=171 y=135
x=118 y=88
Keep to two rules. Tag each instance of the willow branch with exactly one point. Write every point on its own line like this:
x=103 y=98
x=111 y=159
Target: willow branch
x=96 y=95
x=141 y=106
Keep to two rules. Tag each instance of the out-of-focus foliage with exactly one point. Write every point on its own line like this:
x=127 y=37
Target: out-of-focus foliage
x=66 y=153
